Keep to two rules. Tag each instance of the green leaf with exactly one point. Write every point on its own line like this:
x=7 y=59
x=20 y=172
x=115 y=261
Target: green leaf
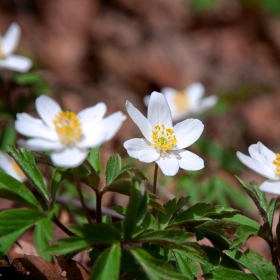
x=243 y=233
x=26 y=161
x=94 y=159
x=28 y=79
x=213 y=256
x=270 y=210
x=108 y=265
x=8 y=136
x=43 y=233
x=57 y=178
x=14 y=190
x=171 y=207
x=113 y=168
x=136 y=209
x=201 y=5
x=166 y=238
x=260 y=267
x=243 y=220
x=155 y=269
x=13 y=223
x=257 y=196
x=226 y=273
x=150 y=222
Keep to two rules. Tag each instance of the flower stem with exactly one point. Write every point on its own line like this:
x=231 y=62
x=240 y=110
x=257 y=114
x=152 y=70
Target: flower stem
x=98 y=207
x=62 y=227
x=155 y=186
x=78 y=187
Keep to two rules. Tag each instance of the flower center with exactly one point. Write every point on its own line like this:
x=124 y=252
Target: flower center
x=67 y=126
x=277 y=163
x=181 y=101
x=17 y=169
x=163 y=138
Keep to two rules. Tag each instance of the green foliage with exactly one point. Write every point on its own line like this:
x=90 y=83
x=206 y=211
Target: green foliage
x=8 y=136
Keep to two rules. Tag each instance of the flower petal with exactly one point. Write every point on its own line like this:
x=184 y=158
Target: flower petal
x=34 y=129
x=261 y=153
x=168 y=164
x=195 y=92
x=36 y=144
x=257 y=166
x=69 y=157
x=26 y=117
x=92 y=114
x=141 y=149
x=206 y=103
x=10 y=39
x=187 y=132
x=47 y=109
x=146 y=100
x=142 y=122
x=271 y=186
x=190 y=161
x=16 y=63
x=158 y=110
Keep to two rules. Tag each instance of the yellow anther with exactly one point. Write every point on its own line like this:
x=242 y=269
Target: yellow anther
x=1 y=49
x=277 y=163
x=163 y=138
x=181 y=101
x=67 y=126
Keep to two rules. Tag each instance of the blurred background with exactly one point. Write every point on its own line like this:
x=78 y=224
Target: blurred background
x=89 y=51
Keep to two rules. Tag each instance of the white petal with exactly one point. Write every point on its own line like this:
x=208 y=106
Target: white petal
x=95 y=134
x=10 y=39
x=187 y=132
x=168 y=164
x=261 y=153
x=16 y=63
x=26 y=117
x=195 y=92
x=92 y=114
x=169 y=91
x=257 y=166
x=43 y=145
x=190 y=161
x=69 y=157
x=146 y=100
x=141 y=149
x=158 y=110
x=206 y=103
x=271 y=186
x=142 y=122
x=47 y=109
x=32 y=129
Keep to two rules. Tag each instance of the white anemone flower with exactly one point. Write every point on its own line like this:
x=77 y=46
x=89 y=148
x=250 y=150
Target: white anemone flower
x=66 y=134
x=266 y=163
x=186 y=102
x=8 y=44
x=8 y=165
x=164 y=143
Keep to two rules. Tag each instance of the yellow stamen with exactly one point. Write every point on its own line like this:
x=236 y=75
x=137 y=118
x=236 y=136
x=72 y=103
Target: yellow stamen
x=1 y=49
x=163 y=138
x=67 y=126
x=277 y=163
x=181 y=101
x=17 y=169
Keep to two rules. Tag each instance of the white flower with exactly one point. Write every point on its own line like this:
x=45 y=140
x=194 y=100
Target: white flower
x=68 y=135
x=8 y=44
x=266 y=163
x=164 y=143
x=8 y=165
x=186 y=102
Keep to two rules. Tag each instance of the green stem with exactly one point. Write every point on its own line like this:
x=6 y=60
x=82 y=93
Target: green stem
x=155 y=187
x=98 y=207
x=62 y=227
x=78 y=187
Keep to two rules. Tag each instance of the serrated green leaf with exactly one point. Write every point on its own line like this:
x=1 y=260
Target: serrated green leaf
x=108 y=265
x=155 y=269
x=219 y=212
x=136 y=209
x=13 y=223
x=29 y=78
x=119 y=186
x=26 y=161
x=150 y=222
x=57 y=178
x=243 y=233
x=222 y=273
x=213 y=256
x=113 y=168
x=94 y=159
x=171 y=207
x=119 y=209
x=15 y=191
x=220 y=224
x=43 y=233
x=259 y=266
x=270 y=210
x=166 y=238
x=243 y=220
